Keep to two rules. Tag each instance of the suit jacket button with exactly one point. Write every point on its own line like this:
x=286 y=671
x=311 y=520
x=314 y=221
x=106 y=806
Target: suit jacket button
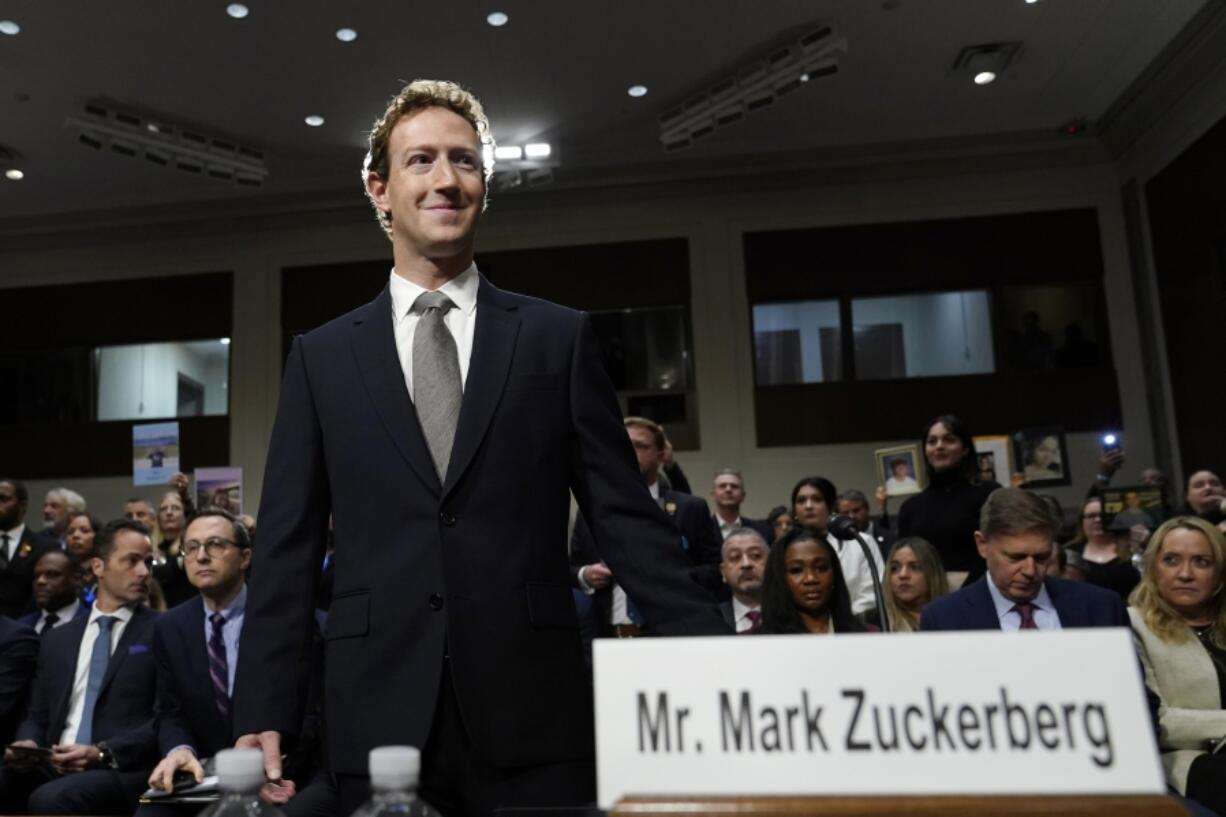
x=436 y=601
x=446 y=518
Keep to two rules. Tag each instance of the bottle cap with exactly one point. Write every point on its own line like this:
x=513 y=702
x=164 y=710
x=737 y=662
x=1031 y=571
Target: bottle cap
x=240 y=768
x=394 y=767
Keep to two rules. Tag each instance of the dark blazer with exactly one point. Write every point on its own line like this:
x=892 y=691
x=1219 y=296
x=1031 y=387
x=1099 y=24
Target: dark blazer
x=123 y=716
x=186 y=713
x=18 y=656
x=762 y=527
x=1078 y=604
x=17 y=577
x=725 y=610
x=885 y=539
x=477 y=563
x=30 y=619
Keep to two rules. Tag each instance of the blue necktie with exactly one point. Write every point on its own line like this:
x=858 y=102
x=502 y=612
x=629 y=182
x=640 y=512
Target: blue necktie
x=98 y=660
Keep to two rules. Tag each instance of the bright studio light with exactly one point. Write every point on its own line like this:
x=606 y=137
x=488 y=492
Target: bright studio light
x=497 y=19
x=984 y=77
x=637 y=91
x=9 y=27
x=346 y=35
x=314 y=120
x=237 y=10
x=509 y=153
x=14 y=175
x=538 y=150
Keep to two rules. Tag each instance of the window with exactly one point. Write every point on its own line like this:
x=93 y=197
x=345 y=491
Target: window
x=797 y=342
x=1050 y=327
x=185 y=379
x=644 y=349
x=927 y=335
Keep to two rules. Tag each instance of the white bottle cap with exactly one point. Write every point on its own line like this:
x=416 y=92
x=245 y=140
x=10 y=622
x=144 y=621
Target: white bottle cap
x=394 y=767
x=240 y=769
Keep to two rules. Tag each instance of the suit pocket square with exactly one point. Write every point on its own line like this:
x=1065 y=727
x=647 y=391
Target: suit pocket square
x=134 y=649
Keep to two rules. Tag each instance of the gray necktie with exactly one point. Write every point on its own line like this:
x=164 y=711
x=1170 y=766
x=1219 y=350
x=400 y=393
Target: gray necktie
x=436 y=377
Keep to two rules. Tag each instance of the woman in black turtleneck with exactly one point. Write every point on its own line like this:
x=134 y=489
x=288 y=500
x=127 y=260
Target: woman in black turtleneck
x=946 y=513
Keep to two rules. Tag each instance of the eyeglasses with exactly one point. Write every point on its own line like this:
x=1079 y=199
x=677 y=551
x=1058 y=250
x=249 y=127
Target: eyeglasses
x=213 y=547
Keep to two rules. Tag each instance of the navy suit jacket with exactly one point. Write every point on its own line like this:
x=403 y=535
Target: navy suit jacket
x=474 y=565
x=1077 y=603
x=187 y=713
x=123 y=716
x=17 y=577
x=30 y=619
x=18 y=655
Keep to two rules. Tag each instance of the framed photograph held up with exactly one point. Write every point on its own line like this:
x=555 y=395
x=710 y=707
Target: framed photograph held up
x=1126 y=506
x=1041 y=455
x=995 y=458
x=900 y=469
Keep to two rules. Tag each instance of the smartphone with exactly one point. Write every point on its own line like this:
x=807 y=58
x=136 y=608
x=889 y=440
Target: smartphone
x=1110 y=442
x=40 y=752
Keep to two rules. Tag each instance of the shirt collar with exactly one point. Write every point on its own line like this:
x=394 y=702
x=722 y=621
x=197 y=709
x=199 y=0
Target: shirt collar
x=654 y=489
x=1041 y=601
x=462 y=290
x=739 y=610
x=124 y=614
x=15 y=533
x=65 y=613
x=232 y=610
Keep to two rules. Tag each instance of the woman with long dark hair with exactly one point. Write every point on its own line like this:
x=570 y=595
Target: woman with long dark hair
x=946 y=513
x=803 y=589
x=813 y=503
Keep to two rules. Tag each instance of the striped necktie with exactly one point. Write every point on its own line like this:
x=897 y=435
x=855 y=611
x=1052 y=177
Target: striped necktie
x=218 y=668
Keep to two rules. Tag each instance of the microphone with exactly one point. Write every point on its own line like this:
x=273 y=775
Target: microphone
x=841 y=527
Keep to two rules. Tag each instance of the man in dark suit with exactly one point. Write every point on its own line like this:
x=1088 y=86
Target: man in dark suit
x=620 y=615
x=443 y=427
x=1015 y=539
x=18 y=654
x=728 y=494
x=743 y=568
x=854 y=505
x=19 y=549
x=57 y=585
x=92 y=697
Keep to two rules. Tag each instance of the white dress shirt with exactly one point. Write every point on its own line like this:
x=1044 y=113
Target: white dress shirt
x=14 y=539
x=1045 y=615
x=461 y=321
x=740 y=615
x=66 y=614
x=76 y=705
x=726 y=528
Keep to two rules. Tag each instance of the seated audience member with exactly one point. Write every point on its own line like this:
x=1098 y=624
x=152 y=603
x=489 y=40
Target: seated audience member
x=1015 y=539
x=1106 y=561
x=913 y=577
x=168 y=551
x=744 y=552
x=92 y=699
x=57 y=505
x=813 y=502
x=195 y=647
x=697 y=535
x=780 y=521
x=946 y=512
x=141 y=510
x=1178 y=618
x=79 y=535
x=728 y=493
x=803 y=589
x=854 y=505
x=57 y=587
x=1204 y=494
x=19 y=549
x=18 y=655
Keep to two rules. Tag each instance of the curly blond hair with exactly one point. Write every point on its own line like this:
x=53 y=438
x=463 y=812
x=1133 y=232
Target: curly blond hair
x=416 y=96
x=1159 y=616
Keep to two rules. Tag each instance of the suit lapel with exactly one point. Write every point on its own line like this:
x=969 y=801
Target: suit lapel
x=134 y=630
x=73 y=647
x=374 y=345
x=493 y=348
x=980 y=599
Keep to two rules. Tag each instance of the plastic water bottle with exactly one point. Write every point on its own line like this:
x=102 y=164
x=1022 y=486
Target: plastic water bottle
x=394 y=771
x=240 y=773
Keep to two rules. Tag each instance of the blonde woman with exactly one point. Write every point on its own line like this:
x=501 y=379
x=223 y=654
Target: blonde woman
x=913 y=577
x=1179 y=625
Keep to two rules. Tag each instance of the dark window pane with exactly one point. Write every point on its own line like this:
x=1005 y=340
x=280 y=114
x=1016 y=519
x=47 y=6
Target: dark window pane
x=644 y=349
x=51 y=386
x=1051 y=327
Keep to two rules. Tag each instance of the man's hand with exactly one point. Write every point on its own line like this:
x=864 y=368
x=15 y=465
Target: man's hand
x=181 y=759
x=278 y=793
x=1110 y=462
x=596 y=575
x=76 y=757
x=270 y=744
x=1017 y=479
x=20 y=760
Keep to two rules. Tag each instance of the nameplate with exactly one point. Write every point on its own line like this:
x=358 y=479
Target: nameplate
x=928 y=713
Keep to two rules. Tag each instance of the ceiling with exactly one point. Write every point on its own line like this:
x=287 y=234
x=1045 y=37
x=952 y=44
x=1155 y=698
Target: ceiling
x=558 y=71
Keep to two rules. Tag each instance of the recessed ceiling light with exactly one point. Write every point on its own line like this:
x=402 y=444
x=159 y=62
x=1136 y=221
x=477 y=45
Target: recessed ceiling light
x=513 y=152
x=14 y=175
x=984 y=77
x=237 y=10
x=538 y=150
x=804 y=77
x=346 y=35
x=497 y=18
x=637 y=90
x=1031 y=2
x=314 y=120
x=9 y=27
x=224 y=341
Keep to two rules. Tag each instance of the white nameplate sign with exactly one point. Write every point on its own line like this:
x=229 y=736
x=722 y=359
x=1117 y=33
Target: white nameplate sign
x=928 y=713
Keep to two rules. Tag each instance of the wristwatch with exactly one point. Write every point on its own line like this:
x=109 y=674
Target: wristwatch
x=106 y=759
